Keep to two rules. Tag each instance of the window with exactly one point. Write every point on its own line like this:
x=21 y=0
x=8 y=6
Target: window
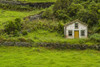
x=70 y=32
x=76 y=25
x=82 y=32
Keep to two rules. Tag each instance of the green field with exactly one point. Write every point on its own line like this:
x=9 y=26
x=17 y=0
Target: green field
x=39 y=0
x=42 y=57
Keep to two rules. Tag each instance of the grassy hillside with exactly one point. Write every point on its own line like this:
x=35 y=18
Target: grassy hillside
x=41 y=57
x=45 y=36
x=50 y=30
x=38 y=0
x=7 y=15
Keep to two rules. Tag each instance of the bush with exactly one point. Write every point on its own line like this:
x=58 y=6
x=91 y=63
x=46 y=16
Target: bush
x=16 y=33
x=24 y=32
x=61 y=27
x=95 y=37
x=48 y=14
x=41 y=24
x=22 y=39
x=13 y=27
x=61 y=14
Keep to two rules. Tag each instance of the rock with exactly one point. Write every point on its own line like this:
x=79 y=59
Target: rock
x=8 y=43
x=25 y=44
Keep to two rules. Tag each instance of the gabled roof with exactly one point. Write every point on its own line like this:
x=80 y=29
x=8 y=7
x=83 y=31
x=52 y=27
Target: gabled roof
x=76 y=21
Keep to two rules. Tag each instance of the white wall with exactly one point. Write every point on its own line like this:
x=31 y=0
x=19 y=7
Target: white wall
x=72 y=27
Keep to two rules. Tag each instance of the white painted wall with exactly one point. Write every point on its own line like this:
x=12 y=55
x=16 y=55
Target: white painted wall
x=72 y=27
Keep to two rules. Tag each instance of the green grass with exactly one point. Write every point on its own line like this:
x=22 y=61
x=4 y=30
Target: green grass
x=42 y=57
x=7 y=15
x=39 y=0
x=41 y=35
x=54 y=37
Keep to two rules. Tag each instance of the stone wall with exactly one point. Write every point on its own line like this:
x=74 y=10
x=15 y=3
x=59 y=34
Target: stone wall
x=52 y=45
x=69 y=46
x=33 y=17
x=36 y=5
x=24 y=44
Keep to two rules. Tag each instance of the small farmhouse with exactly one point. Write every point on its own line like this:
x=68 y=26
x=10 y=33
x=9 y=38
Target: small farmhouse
x=76 y=29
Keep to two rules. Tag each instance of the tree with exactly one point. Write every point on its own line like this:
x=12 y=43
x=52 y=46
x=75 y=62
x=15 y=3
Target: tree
x=61 y=4
x=73 y=9
x=60 y=9
x=88 y=16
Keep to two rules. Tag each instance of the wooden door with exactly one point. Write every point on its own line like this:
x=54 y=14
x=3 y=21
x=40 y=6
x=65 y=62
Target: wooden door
x=76 y=34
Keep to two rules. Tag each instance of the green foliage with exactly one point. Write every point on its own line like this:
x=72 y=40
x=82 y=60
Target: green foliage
x=89 y=17
x=15 y=7
x=48 y=14
x=73 y=9
x=41 y=24
x=24 y=32
x=61 y=14
x=60 y=8
x=95 y=37
x=87 y=11
x=61 y=27
x=13 y=26
x=61 y=5
x=22 y=39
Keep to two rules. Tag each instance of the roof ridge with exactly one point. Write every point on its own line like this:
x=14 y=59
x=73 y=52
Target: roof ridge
x=74 y=22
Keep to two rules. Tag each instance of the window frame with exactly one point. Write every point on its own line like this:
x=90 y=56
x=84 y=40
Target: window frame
x=70 y=33
x=82 y=33
x=76 y=25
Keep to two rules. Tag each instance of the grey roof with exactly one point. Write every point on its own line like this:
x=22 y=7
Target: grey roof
x=77 y=20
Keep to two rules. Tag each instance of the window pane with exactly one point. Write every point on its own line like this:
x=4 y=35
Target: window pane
x=82 y=32
x=76 y=25
x=70 y=32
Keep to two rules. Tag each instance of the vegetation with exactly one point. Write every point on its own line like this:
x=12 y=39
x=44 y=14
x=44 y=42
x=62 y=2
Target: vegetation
x=95 y=37
x=42 y=57
x=50 y=27
x=8 y=15
x=38 y=0
x=86 y=11
x=15 y=26
x=16 y=7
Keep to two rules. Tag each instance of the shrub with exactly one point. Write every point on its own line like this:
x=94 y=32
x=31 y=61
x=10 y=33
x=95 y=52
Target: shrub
x=41 y=24
x=2 y=39
x=16 y=33
x=61 y=14
x=48 y=14
x=13 y=27
x=61 y=27
x=30 y=40
x=95 y=37
x=24 y=32
x=22 y=39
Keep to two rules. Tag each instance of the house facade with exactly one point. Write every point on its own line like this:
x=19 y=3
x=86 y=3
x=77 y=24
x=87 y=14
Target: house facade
x=76 y=29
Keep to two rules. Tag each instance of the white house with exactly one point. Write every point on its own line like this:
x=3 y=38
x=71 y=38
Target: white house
x=76 y=29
